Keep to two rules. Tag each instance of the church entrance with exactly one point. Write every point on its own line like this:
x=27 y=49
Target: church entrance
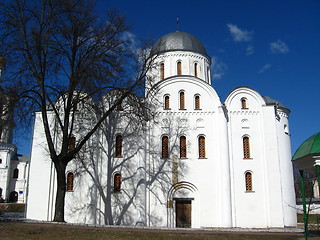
x=183 y=213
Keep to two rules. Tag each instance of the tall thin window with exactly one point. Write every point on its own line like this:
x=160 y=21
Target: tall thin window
x=162 y=71
x=165 y=147
x=243 y=103
x=182 y=105
x=248 y=177
x=0 y=192
x=179 y=68
x=202 y=147
x=167 y=102
x=72 y=143
x=196 y=69
x=246 y=147
x=197 y=102
x=70 y=178
x=183 y=147
x=118 y=145
x=16 y=173
x=117 y=182
x=0 y=160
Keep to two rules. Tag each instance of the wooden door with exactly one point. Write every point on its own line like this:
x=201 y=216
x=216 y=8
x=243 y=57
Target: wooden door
x=183 y=213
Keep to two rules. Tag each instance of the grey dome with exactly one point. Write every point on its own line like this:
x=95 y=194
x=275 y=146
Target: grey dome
x=176 y=41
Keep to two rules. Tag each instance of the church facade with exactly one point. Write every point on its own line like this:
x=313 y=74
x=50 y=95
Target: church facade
x=198 y=162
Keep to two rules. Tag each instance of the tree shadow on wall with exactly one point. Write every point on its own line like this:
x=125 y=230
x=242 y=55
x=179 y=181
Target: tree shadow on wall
x=144 y=174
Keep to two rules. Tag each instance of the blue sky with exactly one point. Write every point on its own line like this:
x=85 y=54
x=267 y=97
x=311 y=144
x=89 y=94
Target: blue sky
x=270 y=46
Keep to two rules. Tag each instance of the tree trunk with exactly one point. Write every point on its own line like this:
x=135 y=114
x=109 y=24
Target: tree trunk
x=61 y=191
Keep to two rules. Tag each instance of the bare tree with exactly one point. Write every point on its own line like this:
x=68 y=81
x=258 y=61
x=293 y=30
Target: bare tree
x=64 y=57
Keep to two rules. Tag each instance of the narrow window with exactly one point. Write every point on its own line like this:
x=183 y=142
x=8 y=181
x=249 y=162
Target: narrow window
x=248 y=177
x=70 y=178
x=243 y=103
x=118 y=145
x=13 y=197
x=165 y=147
x=16 y=173
x=196 y=69
x=72 y=144
x=246 y=148
x=179 y=68
x=119 y=107
x=202 y=147
x=183 y=147
x=0 y=193
x=167 y=102
x=197 y=102
x=182 y=105
x=0 y=160
x=162 y=71
x=117 y=182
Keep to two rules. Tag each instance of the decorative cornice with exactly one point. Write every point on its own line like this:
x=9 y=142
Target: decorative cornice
x=167 y=55
x=283 y=114
x=8 y=147
x=183 y=112
x=244 y=112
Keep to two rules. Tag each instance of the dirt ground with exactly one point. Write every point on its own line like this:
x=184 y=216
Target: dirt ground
x=49 y=231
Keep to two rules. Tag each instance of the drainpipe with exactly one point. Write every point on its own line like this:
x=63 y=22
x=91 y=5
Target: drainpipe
x=305 y=215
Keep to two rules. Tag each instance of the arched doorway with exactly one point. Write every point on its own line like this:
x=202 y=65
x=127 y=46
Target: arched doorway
x=13 y=197
x=181 y=205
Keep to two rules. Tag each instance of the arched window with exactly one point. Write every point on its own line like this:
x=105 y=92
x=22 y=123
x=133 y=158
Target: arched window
x=243 y=103
x=16 y=173
x=0 y=160
x=248 y=177
x=246 y=147
x=117 y=182
x=165 y=147
x=162 y=71
x=202 y=147
x=286 y=129
x=197 y=102
x=118 y=145
x=70 y=178
x=179 y=68
x=13 y=197
x=72 y=143
x=183 y=147
x=182 y=105
x=166 y=102
x=196 y=69
x=119 y=107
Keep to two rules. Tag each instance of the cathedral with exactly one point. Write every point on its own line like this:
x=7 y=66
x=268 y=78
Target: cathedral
x=198 y=162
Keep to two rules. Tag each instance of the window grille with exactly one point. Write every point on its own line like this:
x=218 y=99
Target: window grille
x=246 y=148
x=165 y=147
x=183 y=147
x=248 y=177
x=118 y=146
x=202 y=147
x=70 y=178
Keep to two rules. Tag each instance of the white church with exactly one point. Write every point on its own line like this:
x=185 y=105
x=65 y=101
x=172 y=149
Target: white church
x=198 y=162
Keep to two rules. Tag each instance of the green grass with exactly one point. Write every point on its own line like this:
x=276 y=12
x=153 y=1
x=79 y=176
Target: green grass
x=34 y=231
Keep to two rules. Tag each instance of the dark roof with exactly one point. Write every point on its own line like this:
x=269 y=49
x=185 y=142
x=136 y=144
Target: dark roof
x=270 y=101
x=176 y=41
x=309 y=146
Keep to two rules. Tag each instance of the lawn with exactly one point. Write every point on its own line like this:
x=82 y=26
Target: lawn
x=34 y=231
